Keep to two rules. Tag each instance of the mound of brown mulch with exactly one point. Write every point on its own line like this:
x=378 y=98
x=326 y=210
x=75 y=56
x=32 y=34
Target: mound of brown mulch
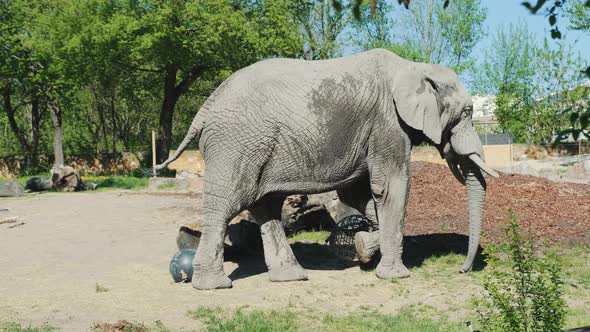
x=557 y=212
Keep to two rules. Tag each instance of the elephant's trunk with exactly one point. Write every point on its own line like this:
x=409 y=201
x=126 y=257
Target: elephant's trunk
x=476 y=192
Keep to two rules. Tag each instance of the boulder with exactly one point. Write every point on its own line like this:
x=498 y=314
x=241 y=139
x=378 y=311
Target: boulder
x=241 y=235
x=38 y=184
x=11 y=189
x=313 y=212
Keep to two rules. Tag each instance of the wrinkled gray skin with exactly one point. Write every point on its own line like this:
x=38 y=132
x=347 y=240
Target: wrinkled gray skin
x=282 y=126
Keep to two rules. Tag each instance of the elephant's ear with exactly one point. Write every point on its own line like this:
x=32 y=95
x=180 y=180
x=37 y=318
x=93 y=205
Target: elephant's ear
x=416 y=103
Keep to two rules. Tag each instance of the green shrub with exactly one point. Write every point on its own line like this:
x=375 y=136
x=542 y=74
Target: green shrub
x=523 y=290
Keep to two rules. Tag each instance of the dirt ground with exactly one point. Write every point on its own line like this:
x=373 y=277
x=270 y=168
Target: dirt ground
x=121 y=242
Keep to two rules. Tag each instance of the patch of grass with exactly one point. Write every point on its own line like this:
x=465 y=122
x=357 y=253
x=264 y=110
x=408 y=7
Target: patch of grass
x=167 y=186
x=101 y=289
x=217 y=320
x=102 y=182
x=414 y=318
x=16 y=327
x=314 y=237
x=118 y=182
x=452 y=259
x=408 y=320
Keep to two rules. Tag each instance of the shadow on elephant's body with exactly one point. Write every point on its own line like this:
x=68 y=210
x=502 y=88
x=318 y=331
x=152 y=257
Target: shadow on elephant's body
x=315 y=256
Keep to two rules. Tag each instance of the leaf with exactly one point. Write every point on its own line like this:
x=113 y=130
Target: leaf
x=527 y=5
x=587 y=4
x=555 y=34
x=446 y=4
x=337 y=5
x=552 y=20
x=587 y=71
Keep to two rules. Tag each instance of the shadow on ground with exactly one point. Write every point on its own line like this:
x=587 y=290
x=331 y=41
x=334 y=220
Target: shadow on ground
x=315 y=256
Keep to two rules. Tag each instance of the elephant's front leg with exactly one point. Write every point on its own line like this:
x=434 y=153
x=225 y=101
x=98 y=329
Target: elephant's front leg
x=391 y=193
x=280 y=260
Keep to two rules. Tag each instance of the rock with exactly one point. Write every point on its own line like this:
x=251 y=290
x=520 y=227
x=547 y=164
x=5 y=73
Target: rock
x=586 y=166
x=65 y=179
x=241 y=235
x=303 y=212
x=38 y=184
x=11 y=189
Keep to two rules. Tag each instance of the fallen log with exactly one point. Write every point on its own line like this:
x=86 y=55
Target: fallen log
x=8 y=220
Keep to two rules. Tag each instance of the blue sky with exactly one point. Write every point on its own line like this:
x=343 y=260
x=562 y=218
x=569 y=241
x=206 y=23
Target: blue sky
x=511 y=11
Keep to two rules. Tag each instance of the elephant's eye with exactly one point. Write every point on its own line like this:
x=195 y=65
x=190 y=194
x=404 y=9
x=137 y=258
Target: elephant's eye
x=466 y=112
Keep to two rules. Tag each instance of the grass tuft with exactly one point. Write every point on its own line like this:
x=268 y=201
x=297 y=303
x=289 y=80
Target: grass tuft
x=313 y=237
x=218 y=320
x=16 y=327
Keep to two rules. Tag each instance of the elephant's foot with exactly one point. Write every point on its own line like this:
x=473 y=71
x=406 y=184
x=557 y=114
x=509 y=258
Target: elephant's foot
x=366 y=244
x=287 y=273
x=210 y=280
x=397 y=270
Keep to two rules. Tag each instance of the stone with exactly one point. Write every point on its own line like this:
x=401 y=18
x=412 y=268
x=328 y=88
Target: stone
x=303 y=212
x=241 y=235
x=11 y=189
x=38 y=184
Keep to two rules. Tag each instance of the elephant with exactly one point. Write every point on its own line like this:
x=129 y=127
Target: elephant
x=286 y=126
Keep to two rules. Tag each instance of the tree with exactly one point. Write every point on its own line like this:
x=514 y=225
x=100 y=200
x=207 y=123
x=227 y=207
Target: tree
x=578 y=12
x=530 y=102
x=375 y=29
x=186 y=41
x=507 y=71
x=444 y=35
x=16 y=71
x=320 y=24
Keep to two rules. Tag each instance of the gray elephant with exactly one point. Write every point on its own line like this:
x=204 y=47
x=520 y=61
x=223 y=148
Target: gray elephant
x=283 y=126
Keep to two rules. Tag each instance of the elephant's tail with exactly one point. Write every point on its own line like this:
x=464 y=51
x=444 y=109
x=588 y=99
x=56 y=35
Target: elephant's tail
x=193 y=133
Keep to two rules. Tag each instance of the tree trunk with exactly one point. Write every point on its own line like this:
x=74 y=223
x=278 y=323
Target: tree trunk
x=29 y=149
x=172 y=93
x=56 y=118
x=114 y=121
x=35 y=131
x=166 y=114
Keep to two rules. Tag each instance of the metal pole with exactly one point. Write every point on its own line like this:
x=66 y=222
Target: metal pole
x=154 y=152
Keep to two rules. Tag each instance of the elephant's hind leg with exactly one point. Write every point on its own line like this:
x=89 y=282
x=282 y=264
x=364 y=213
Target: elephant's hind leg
x=221 y=202
x=280 y=260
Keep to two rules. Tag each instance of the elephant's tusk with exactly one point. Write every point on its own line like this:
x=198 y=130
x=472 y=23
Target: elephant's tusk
x=456 y=172
x=477 y=160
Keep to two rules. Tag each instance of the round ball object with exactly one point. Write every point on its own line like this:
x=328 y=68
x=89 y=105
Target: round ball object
x=181 y=265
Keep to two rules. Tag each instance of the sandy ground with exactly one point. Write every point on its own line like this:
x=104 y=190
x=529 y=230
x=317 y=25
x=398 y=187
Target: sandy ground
x=50 y=266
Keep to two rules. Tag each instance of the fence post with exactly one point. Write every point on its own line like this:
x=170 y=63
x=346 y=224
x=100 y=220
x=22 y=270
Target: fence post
x=154 y=152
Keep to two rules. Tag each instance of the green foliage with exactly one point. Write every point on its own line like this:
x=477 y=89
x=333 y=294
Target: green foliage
x=15 y=327
x=578 y=12
x=316 y=237
x=414 y=318
x=241 y=321
x=523 y=291
x=531 y=103
x=444 y=35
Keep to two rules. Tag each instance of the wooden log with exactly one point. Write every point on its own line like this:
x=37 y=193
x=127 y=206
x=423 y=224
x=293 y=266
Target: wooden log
x=8 y=220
